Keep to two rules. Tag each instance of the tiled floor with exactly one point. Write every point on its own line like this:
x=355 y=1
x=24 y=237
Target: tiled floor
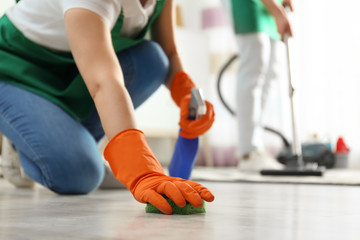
x=240 y=211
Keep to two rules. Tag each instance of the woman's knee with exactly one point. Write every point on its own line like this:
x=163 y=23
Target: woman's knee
x=156 y=59
x=145 y=68
x=148 y=58
x=81 y=178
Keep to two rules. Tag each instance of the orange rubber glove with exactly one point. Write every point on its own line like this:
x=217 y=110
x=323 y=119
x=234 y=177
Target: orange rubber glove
x=180 y=90
x=134 y=165
x=181 y=86
x=194 y=128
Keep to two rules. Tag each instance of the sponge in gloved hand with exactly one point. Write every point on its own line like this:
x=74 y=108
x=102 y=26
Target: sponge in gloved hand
x=134 y=164
x=187 y=210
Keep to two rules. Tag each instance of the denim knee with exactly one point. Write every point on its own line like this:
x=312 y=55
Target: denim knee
x=145 y=67
x=82 y=179
x=159 y=60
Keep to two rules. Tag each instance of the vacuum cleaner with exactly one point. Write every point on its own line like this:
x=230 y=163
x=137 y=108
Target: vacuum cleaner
x=308 y=159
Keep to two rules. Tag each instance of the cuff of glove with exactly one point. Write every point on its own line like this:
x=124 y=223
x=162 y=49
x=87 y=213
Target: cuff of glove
x=130 y=157
x=181 y=85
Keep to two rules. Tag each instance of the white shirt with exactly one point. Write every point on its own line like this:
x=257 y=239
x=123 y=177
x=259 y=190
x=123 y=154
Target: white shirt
x=42 y=21
x=136 y=16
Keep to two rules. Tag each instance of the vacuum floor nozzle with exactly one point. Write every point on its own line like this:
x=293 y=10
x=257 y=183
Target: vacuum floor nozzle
x=296 y=167
x=293 y=172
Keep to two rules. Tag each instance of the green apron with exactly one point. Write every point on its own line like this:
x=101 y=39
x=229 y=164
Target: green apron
x=53 y=74
x=252 y=16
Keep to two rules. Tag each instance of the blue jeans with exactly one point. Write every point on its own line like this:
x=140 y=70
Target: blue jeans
x=58 y=151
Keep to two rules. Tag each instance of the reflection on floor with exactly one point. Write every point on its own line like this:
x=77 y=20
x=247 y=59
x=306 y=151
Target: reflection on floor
x=240 y=211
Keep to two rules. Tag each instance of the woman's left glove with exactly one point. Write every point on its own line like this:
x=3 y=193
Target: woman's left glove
x=180 y=90
x=134 y=165
x=192 y=128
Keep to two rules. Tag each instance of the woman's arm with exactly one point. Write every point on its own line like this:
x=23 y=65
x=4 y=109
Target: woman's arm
x=179 y=83
x=128 y=154
x=279 y=13
x=163 y=33
x=90 y=42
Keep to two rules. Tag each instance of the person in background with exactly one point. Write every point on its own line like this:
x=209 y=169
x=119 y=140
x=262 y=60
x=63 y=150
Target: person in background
x=260 y=25
x=72 y=71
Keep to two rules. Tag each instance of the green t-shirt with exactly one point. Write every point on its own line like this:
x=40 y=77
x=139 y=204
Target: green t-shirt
x=252 y=16
x=52 y=74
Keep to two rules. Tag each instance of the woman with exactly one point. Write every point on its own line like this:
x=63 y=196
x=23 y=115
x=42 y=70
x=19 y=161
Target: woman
x=259 y=26
x=61 y=58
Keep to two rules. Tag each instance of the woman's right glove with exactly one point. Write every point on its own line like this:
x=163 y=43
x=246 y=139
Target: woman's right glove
x=134 y=165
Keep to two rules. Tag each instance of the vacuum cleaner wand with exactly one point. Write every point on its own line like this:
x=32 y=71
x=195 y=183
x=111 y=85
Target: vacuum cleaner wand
x=296 y=145
x=295 y=165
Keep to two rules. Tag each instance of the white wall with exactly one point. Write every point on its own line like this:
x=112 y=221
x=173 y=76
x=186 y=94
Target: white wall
x=327 y=69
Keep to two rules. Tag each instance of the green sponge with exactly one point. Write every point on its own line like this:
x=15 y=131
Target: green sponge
x=188 y=209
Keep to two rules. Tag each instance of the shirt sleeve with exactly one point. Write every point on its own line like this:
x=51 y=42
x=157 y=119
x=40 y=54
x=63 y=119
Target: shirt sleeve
x=109 y=10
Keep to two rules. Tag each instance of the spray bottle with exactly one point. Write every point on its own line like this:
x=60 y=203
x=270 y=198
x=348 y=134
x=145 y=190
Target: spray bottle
x=184 y=155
